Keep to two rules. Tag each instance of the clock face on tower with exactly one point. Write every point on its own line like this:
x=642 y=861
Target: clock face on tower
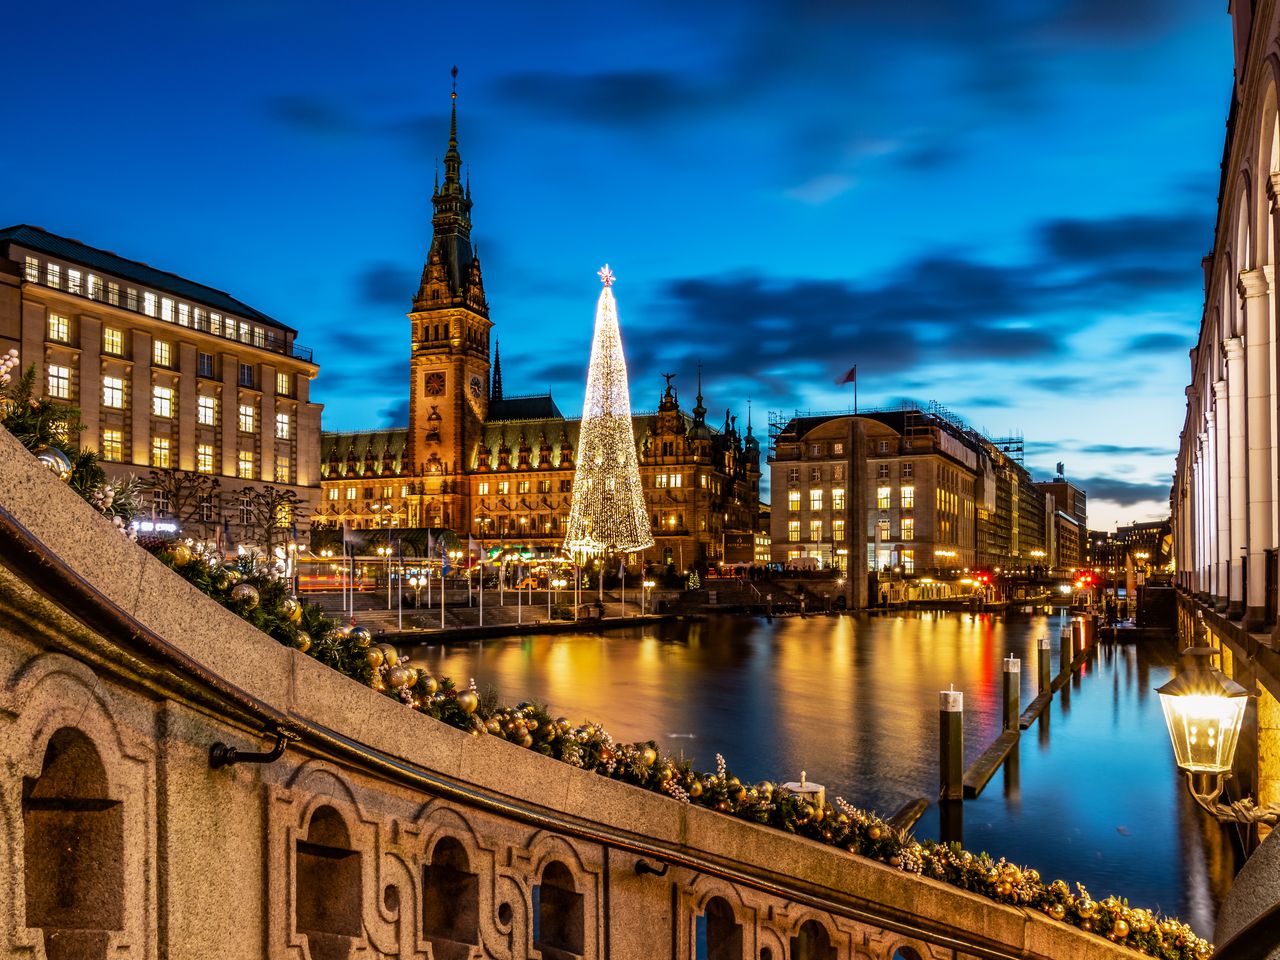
x=433 y=384
x=477 y=387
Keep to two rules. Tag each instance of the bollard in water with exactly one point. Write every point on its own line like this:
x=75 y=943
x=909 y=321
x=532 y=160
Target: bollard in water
x=1045 y=679
x=1065 y=651
x=951 y=744
x=1012 y=687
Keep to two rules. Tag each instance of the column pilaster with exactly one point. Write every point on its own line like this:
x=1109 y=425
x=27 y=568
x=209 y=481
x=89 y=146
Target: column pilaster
x=1222 y=494
x=1255 y=300
x=1237 y=472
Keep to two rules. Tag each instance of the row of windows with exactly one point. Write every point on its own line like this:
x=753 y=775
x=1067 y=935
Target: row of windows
x=163 y=403
x=162 y=355
x=820 y=449
x=908 y=471
x=815 y=473
x=884 y=498
x=816 y=498
x=151 y=304
x=817 y=530
x=112 y=449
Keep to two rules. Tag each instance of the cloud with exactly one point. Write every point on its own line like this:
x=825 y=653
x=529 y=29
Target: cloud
x=396 y=414
x=619 y=98
x=1120 y=450
x=1124 y=492
x=1133 y=241
x=387 y=285
x=1160 y=343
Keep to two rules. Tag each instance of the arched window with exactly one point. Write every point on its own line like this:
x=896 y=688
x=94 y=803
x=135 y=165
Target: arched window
x=74 y=850
x=718 y=935
x=327 y=890
x=557 y=914
x=451 y=905
x=905 y=953
x=812 y=943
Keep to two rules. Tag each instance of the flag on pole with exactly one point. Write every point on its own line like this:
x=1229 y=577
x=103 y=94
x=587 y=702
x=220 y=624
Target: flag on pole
x=850 y=377
x=472 y=549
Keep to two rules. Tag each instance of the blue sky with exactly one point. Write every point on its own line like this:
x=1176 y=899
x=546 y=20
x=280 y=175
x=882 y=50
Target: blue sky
x=1000 y=206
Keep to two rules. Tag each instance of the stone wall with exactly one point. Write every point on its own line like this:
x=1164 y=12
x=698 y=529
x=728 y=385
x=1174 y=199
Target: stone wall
x=380 y=832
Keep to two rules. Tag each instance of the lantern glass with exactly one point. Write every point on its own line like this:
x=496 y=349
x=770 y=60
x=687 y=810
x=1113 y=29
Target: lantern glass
x=1204 y=728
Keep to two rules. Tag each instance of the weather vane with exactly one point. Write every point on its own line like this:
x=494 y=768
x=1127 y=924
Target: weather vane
x=605 y=275
x=454 y=74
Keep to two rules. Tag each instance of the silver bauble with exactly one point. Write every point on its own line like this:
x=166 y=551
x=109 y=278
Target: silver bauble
x=58 y=462
x=245 y=594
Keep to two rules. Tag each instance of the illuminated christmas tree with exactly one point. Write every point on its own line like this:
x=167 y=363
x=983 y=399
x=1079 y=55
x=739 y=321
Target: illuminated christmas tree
x=608 y=514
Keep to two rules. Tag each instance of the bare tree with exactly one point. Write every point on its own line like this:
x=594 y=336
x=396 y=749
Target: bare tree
x=267 y=515
x=188 y=497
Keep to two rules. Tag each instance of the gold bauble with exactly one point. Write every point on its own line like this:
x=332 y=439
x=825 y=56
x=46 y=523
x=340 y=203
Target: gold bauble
x=526 y=741
x=695 y=788
x=389 y=655
x=1121 y=928
x=1004 y=889
x=429 y=684
x=231 y=576
x=648 y=756
x=411 y=671
x=302 y=641
x=563 y=724
x=399 y=677
x=493 y=726
x=468 y=701
x=291 y=609
x=804 y=813
x=57 y=462
x=666 y=775
x=373 y=657
x=737 y=792
x=1057 y=911
x=874 y=832
x=360 y=636
x=765 y=789
x=181 y=554
x=1086 y=908
x=245 y=594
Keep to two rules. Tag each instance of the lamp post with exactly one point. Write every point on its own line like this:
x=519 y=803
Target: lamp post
x=417 y=583
x=385 y=553
x=644 y=596
x=1203 y=710
x=555 y=584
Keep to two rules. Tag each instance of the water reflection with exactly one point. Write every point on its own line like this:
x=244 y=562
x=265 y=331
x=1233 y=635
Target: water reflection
x=853 y=702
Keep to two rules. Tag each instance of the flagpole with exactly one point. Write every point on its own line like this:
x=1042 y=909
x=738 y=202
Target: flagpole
x=400 y=583
x=482 y=590
x=855 y=389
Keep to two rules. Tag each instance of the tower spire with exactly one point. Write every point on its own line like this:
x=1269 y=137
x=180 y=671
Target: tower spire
x=453 y=159
x=699 y=411
x=495 y=391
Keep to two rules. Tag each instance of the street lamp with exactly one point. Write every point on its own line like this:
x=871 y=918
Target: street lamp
x=1203 y=709
x=556 y=585
x=644 y=596
x=385 y=553
x=417 y=583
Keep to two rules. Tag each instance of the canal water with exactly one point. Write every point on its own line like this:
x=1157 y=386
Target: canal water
x=1091 y=795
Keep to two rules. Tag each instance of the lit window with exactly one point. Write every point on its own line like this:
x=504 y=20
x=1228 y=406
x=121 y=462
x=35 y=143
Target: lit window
x=882 y=530
x=59 y=382
x=482 y=488
x=544 y=486
x=815 y=499
x=908 y=497
x=333 y=493
x=204 y=458
x=837 y=529
x=112 y=341
x=908 y=528
x=131 y=299
x=244 y=332
x=259 y=337
x=184 y=314
x=837 y=449
x=522 y=486
x=112 y=392
x=815 y=529
x=215 y=324
x=908 y=561
x=112 y=445
x=908 y=470
x=166 y=309
x=284 y=514
x=282 y=385
x=59 y=328
x=677 y=479
x=113 y=294
x=149 y=304
x=162 y=401
x=160 y=452
x=200 y=321
x=207 y=411
x=282 y=468
x=162 y=353
x=837 y=498
x=504 y=487
x=74 y=284
x=387 y=491
x=248 y=418
x=245 y=466
x=660 y=480
x=793 y=531
x=282 y=426
x=793 y=499
x=32 y=270
x=95 y=287
x=351 y=493
x=53 y=275
x=882 y=497
x=702 y=481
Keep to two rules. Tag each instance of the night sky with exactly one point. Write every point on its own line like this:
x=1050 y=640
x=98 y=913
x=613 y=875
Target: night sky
x=1000 y=206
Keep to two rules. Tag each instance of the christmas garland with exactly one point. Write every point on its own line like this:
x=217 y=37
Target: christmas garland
x=255 y=587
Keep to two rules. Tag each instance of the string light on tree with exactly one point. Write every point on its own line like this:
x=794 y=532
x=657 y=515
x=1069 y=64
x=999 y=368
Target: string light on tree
x=608 y=512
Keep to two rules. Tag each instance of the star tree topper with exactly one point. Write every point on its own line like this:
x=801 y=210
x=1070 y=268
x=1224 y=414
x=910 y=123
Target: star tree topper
x=605 y=275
